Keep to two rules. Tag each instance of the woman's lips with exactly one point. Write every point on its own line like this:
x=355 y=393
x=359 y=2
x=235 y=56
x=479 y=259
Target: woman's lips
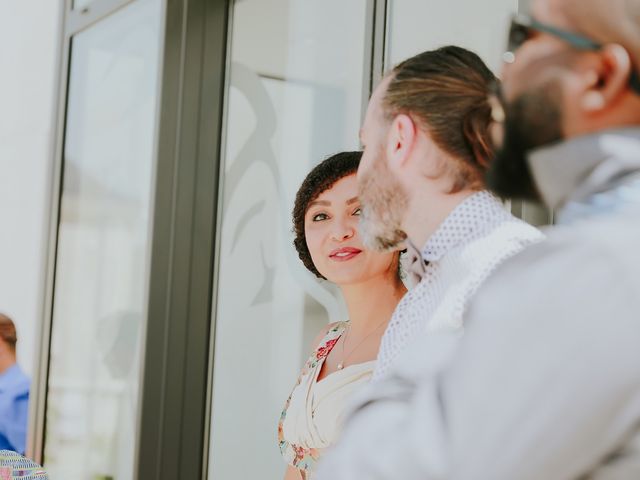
x=344 y=254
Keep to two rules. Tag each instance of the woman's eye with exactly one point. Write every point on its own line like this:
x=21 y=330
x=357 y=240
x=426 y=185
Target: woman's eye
x=357 y=211
x=319 y=217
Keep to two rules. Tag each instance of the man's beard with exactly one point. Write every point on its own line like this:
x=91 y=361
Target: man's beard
x=384 y=202
x=532 y=120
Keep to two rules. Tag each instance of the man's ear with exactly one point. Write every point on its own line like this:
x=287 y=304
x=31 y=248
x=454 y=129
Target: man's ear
x=610 y=80
x=401 y=139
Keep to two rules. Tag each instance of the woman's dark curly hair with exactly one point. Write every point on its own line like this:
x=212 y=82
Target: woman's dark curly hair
x=320 y=179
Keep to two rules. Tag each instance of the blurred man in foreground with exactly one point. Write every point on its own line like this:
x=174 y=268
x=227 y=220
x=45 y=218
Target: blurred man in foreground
x=545 y=384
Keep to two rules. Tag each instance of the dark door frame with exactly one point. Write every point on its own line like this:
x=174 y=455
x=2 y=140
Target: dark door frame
x=173 y=427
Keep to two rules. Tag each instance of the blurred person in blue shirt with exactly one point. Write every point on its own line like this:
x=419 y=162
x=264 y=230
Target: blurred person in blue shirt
x=14 y=391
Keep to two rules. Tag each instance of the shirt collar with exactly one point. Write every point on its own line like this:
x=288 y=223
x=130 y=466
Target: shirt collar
x=12 y=377
x=469 y=219
x=575 y=169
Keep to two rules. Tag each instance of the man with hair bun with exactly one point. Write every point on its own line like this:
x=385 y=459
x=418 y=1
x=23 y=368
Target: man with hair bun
x=426 y=149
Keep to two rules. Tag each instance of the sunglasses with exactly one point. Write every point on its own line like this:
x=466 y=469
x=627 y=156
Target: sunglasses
x=523 y=27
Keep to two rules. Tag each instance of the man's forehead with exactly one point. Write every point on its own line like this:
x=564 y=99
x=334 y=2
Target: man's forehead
x=550 y=12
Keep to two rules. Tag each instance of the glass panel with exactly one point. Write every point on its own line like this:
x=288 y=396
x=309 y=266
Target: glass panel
x=416 y=25
x=103 y=244
x=294 y=97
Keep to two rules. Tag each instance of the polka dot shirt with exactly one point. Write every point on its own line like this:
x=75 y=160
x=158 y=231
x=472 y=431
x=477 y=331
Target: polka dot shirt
x=473 y=240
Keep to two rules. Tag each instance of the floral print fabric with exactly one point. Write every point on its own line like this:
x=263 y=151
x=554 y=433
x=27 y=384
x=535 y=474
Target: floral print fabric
x=302 y=458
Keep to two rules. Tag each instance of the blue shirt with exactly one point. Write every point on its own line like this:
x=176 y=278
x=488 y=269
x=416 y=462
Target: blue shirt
x=14 y=409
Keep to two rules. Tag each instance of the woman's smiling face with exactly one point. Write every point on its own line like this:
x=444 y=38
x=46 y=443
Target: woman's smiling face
x=331 y=230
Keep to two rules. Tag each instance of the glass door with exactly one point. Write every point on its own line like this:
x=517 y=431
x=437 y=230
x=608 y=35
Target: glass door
x=101 y=262
x=294 y=95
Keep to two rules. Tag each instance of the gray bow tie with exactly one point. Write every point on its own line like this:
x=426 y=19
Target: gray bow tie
x=416 y=265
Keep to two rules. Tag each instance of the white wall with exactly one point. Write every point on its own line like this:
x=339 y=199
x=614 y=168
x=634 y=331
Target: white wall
x=29 y=32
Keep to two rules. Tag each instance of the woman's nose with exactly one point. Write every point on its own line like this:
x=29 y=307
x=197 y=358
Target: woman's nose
x=342 y=232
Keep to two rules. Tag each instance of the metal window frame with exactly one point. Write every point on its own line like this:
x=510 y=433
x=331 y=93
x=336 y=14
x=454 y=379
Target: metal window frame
x=174 y=409
x=224 y=102
x=171 y=431
x=375 y=48
x=38 y=394
x=71 y=22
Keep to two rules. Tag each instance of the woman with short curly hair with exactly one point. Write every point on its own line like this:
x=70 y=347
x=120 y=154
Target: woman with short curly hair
x=325 y=221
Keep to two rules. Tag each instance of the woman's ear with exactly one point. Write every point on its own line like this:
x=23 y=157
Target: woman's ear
x=610 y=81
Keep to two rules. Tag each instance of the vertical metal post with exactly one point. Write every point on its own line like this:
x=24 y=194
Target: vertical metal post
x=173 y=411
x=375 y=48
x=38 y=394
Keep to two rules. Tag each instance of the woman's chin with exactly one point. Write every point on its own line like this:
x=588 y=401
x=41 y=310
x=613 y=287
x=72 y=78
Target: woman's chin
x=344 y=279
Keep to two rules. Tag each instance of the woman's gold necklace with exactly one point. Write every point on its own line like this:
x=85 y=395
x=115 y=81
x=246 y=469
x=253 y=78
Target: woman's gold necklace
x=344 y=341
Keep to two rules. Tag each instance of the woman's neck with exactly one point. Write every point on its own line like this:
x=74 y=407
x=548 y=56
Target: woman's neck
x=372 y=303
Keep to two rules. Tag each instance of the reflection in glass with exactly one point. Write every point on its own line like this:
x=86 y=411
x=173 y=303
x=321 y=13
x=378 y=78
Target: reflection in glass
x=103 y=243
x=414 y=26
x=294 y=97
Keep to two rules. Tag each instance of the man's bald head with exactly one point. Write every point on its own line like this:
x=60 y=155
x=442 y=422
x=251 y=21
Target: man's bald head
x=607 y=21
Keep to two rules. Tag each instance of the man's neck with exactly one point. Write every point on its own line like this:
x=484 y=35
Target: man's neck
x=6 y=362
x=427 y=211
